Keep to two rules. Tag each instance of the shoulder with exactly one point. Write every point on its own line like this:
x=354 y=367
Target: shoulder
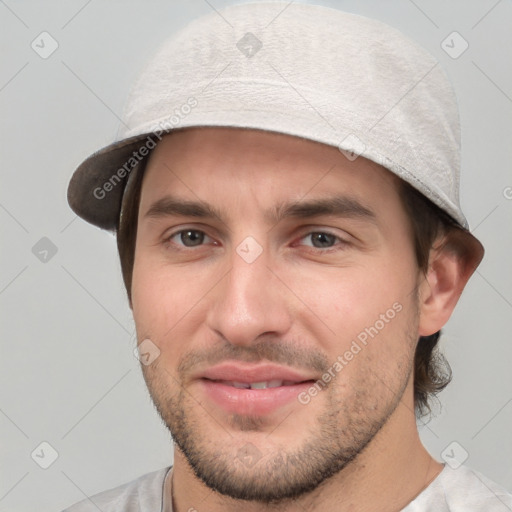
x=141 y=495
x=461 y=490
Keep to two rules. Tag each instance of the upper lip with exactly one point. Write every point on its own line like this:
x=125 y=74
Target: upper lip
x=248 y=373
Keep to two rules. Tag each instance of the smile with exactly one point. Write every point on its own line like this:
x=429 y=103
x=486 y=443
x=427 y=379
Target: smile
x=252 y=389
x=258 y=385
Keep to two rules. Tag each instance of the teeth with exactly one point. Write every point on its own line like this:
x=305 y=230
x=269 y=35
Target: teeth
x=241 y=385
x=259 y=385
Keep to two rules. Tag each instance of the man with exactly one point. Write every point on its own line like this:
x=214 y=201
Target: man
x=285 y=199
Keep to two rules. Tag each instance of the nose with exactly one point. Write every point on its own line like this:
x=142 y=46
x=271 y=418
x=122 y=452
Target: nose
x=249 y=303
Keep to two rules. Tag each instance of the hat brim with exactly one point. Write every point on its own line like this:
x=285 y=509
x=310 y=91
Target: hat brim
x=95 y=191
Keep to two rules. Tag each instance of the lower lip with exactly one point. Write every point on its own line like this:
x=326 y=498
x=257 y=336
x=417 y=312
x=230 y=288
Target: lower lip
x=252 y=402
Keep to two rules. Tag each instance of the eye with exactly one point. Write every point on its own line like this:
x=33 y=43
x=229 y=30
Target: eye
x=321 y=240
x=189 y=238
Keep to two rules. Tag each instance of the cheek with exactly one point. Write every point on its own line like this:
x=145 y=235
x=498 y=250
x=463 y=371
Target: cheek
x=384 y=318
x=350 y=300
x=375 y=327
x=165 y=303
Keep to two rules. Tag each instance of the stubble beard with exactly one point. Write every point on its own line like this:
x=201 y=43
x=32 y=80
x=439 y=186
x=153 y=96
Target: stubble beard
x=340 y=433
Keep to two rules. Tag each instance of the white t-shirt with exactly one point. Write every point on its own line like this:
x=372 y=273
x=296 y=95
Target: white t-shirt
x=454 y=490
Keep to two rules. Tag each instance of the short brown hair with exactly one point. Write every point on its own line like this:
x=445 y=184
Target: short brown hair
x=432 y=373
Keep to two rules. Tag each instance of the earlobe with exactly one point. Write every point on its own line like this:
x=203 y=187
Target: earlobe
x=451 y=264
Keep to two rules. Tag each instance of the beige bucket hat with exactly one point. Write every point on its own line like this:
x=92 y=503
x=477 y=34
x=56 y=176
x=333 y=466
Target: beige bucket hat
x=304 y=70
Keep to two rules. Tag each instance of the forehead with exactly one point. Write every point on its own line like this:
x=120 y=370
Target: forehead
x=226 y=165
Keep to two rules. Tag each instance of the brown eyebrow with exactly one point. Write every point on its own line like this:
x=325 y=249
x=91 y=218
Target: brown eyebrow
x=340 y=206
x=168 y=206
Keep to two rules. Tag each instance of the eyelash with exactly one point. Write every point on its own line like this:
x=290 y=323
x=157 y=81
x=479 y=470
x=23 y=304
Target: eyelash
x=339 y=243
x=168 y=238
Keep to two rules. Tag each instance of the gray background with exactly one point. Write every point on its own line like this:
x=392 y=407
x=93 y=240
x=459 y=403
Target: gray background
x=68 y=375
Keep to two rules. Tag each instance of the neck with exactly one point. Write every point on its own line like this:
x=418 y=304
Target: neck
x=389 y=473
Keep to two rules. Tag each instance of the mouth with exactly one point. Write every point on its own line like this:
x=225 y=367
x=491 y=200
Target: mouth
x=255 y=390
x=258 y=385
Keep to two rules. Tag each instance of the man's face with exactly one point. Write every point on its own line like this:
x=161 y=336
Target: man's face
x=263 y=264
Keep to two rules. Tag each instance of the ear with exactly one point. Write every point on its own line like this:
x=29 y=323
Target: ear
x=452 y=262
